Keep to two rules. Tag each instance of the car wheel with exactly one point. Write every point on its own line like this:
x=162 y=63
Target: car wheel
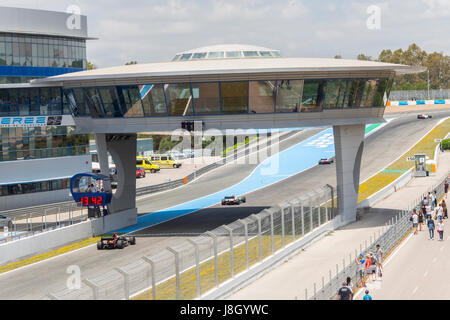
x=99 y=245
x=152 y=171
x=143 y=175
x=175 y=166
x=243 y=199
x=431 y=117
x=120 y=244
x=133 y=241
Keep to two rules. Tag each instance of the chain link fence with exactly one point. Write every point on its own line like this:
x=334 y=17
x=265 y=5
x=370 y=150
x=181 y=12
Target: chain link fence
x=419 y=95
x=393 y=233
x=30 y=221
x=200 y=264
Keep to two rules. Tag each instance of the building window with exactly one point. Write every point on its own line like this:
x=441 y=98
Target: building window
x=262 y=96
x=313 y=95
x=179 y=99
x=335 y=96
x=289 y=95
x=130 y=101
x=234 y=97
x=110 y=102
x=206 y=98
x=152 y=96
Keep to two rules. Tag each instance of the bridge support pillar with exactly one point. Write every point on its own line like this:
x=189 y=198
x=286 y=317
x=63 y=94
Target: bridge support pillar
x=122 y=209
x=349 y=145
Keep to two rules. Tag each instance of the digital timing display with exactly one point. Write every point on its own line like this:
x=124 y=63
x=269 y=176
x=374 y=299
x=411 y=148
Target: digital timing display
x=91 y=201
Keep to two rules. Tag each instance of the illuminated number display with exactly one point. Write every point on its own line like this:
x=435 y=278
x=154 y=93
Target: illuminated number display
x=91 y=201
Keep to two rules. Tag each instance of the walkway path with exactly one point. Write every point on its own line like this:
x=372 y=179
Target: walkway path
x=289 y=280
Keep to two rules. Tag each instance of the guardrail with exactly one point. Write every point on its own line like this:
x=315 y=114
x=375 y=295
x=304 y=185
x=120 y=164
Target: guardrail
x=200 y=264
x=394 y=232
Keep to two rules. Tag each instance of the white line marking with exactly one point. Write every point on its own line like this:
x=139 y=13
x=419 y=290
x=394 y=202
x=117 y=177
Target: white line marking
x=415 y=290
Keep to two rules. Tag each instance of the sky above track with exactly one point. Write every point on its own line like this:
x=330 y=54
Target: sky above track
x=154 y=30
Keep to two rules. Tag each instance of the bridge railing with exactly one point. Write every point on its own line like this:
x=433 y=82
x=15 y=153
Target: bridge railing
x=197 y=265
x=393 y=233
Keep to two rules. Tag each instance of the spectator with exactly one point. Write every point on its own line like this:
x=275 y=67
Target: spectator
x=361 y=266
x=379 y=259
x=428 y=211
x=435 y=198
x=430 y=224
x=421 y=219
x=367 y=296
x=440 y=229
x=444 y=208
x=349 y=283
x=415 y=220
x=439 y=212
x=446 y=188
x=431 y=200
x=345 y=293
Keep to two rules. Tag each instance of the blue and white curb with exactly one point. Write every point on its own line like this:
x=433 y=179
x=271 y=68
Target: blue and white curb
x=419 y=102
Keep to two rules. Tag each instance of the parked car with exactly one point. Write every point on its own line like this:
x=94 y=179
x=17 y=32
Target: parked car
x=5 y=222
x=232 y=200
x=326 y=161
x=424 y=116
x=147 y=164
x=140 y=172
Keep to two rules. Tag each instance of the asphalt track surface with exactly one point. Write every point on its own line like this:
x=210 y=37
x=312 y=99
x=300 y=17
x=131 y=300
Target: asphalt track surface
x=382 y=147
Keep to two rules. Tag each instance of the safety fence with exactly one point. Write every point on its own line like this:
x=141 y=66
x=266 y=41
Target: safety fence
x=419 y=94
x=30 y=221
x=394 y=232
x=200 y=264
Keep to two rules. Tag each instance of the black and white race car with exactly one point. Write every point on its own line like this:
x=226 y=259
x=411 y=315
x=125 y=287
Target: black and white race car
x=424 y=116
x=232 y=200
x=326 y=161
x=115 y=242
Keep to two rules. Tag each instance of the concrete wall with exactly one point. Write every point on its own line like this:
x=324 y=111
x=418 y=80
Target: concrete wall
x=34 y=199
x=40 y=243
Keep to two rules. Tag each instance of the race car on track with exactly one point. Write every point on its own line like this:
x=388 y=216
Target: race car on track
x=233 y=200
x=424 y=116
x=326 y=161
x=115 y=242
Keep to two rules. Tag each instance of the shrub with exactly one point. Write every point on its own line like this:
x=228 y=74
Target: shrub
x=445 y=144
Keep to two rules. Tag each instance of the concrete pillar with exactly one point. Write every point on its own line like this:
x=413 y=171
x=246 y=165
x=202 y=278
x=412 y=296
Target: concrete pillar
x=122 y=209
x=349 y=145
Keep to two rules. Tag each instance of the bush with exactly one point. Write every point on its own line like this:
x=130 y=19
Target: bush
x=445 y=144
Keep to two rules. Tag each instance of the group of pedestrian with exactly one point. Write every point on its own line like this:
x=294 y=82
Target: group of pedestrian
x=432 y=214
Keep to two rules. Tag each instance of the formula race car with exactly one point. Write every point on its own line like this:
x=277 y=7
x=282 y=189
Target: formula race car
x=115 y=242
x=233 y=200
x=424 y=116
x=326 y=161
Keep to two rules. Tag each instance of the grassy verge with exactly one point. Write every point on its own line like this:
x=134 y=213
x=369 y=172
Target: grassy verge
x=237 y=145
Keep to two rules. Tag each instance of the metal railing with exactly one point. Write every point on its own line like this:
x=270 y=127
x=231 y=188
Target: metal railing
x=30 y=221
x=394 y=232
x=200 y=264
x=419 y=94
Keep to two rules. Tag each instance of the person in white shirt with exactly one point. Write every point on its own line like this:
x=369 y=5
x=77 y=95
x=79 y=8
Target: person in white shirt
x=415 y=221
x=439 y=212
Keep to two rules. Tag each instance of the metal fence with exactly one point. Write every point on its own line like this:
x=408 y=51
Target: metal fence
x=200 y=264
x=419 y=94
x=30 y=221
x=393 y=232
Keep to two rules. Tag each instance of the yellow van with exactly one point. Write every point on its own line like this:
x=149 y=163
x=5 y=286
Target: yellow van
x=148 y=165
x=165 y=161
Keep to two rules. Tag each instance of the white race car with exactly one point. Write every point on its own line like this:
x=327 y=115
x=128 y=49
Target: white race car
x=424 y=116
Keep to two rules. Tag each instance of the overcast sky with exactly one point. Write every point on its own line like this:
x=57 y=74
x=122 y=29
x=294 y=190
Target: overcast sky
x=154 y=30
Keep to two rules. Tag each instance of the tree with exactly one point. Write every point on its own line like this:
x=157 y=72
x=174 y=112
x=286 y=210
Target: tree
x=90 y=66
x=338 y=56
x=362 y=56
x=131 y=62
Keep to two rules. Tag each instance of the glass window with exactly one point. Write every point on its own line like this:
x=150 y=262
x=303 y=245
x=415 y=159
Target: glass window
x=177 y=57
x=335 y=94
x=206 y=98
x=110 y=102
x=384 y=86
x=185 y=56
x=130 y=101
x=199 y=55
x=152 y=96
x=233 y=54
x=369 y=93
x=355 y=92
x=276 y=53
x=262 y=96
x=216 y=55
x=289 y=95
x=93 y=100
x=76 y=99
x=234 y=97
x=179 y=99
x=251 y=54
x=313 y=95
x=265 y=53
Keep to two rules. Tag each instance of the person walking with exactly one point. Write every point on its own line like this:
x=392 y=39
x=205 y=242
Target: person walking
x=428 y=211
x=439 y=212
x=431 y=200
x=361 y=267
x=446 y=188
x=421 y=219
x=435 y=198
x=444 y=208
x=379 y=260
x=440 y=230
x=415 y=220
x=344 y=292
x=430 y=224
x=367 y=296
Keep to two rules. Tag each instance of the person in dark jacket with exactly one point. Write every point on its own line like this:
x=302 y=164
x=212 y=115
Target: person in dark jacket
x=431 y=228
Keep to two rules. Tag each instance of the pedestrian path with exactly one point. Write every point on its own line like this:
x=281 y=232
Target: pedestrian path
x=316 y=261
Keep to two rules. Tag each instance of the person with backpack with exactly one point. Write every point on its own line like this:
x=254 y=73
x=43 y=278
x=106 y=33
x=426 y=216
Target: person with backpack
x=430 y=224
x=367 y=296
x=415 y=220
